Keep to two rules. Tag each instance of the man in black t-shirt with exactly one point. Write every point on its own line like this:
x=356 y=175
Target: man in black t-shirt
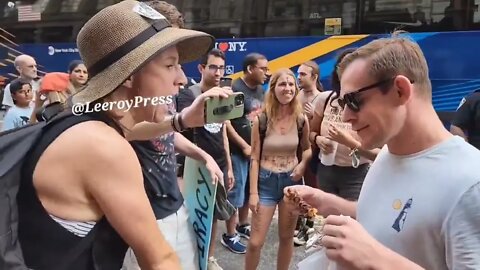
x=466 y=122
x=255 y=69
x=212 y=138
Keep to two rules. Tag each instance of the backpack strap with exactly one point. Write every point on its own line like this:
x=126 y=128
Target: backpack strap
x=328 y=99
x=262 y=128
x=300 y=124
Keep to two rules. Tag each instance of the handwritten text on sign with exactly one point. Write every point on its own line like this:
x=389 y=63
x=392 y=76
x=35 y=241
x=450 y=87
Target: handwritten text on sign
x=200 y=199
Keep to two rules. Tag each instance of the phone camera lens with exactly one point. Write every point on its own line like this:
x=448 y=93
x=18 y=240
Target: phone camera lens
x=238 y=100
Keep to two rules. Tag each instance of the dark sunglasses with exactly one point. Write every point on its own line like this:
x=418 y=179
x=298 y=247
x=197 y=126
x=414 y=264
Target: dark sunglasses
x=352 y=99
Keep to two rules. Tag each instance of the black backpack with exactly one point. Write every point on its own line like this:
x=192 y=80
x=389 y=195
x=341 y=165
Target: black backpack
x=262 y=125
x=15 y=147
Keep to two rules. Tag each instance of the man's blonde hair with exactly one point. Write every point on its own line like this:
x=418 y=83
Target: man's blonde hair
x=389 y=57
x=169 y=11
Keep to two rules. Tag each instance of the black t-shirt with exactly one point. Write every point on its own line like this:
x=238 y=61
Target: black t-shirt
x=467 y=118
x=253 y=103
x=210 y=136
x=159 y=164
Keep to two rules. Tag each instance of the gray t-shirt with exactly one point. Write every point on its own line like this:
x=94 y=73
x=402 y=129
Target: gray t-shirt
x=425 y=206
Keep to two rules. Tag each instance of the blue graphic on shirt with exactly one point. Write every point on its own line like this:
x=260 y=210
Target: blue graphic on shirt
x=400 y=220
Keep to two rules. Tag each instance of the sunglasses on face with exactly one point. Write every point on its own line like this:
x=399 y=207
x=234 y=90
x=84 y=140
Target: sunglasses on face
x=352 y=99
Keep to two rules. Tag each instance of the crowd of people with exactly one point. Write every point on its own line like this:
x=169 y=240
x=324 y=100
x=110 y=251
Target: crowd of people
x=398 y=190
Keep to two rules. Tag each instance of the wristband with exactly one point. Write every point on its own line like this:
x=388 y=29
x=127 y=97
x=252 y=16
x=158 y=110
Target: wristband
x=172 y=123
x=180 y=122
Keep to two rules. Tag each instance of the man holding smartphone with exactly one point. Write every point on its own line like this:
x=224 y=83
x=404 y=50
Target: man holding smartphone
x=213 y=139
x=255 y=69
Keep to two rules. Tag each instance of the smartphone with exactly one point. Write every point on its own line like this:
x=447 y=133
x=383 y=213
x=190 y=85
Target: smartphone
x=226 y=82
x=218 y=110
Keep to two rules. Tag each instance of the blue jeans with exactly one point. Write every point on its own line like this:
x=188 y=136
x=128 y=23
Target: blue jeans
x=238 y=195
x=271 y=185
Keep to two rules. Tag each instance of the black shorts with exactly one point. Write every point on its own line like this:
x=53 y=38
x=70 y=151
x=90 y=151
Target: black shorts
x=345 y=182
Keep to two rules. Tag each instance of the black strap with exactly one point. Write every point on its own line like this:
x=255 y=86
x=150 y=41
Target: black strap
x=262 y=126
x=124 y=49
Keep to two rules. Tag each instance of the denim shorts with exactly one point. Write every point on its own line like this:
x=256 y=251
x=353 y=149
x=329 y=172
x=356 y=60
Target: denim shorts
x=238 y=195
x=271 y=185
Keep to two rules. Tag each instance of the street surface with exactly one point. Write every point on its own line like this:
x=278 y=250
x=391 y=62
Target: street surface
x=268 y=260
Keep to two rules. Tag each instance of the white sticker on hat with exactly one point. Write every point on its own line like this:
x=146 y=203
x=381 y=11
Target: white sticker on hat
x=147 y=11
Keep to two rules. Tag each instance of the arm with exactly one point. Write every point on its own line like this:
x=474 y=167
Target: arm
x=231 y=179
x=316 y=122
x=227 y=148
x=305 y=143
x=145 y=131
x=187 y=148
x=389 y=260
x=237 y=139
x=126 y=206
x=255 y=158
x=329 y=204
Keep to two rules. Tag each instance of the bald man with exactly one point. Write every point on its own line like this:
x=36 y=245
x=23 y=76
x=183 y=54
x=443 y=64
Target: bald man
x=26 y=66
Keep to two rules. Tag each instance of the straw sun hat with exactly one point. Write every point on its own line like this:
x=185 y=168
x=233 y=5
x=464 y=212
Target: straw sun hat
x=119 y=39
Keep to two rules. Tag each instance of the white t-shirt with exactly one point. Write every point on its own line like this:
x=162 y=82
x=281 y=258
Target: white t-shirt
x=425 y=206
x=7 y=96
x=17 y=117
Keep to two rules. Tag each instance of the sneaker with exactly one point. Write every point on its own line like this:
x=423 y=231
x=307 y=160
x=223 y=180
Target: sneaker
x=213 y=265
x=301 y=238
x=233 y=244
x=244 y=230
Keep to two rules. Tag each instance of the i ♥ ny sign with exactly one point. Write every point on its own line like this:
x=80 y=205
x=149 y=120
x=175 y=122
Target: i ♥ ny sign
x=231 y=46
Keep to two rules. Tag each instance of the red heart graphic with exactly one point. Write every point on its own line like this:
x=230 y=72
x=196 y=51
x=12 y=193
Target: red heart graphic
x=223 y=46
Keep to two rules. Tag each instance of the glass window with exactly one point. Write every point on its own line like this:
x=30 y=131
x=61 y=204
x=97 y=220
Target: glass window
x=381 y=16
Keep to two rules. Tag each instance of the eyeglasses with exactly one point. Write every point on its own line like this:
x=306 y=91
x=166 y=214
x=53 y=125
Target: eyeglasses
x=352 y=99
x=214 y=68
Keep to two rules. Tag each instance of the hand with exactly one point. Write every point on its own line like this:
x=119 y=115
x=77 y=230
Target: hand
x=215 y=172
x=253 y=203
x=247 y=151
x=308 y=110
x=298 y=172
x=324 y=144
x=194 y=115
x=342 y=137
x=349 y=245
x=231 y=179
x=312 y=196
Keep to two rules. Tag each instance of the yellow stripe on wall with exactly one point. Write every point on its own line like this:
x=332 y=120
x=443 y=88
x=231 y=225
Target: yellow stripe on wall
x=309 y=52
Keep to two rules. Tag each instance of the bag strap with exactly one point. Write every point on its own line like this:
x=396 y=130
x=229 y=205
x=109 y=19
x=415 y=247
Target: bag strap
x=300 y=123
x=262 y=128
x=326 y=101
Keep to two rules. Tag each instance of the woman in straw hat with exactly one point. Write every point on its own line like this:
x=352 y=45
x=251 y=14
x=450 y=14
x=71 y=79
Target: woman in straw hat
x=82 y=199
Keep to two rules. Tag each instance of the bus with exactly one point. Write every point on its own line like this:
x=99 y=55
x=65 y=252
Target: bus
x=287 y=32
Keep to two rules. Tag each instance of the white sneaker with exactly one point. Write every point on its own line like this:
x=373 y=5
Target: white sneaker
x=213 y=265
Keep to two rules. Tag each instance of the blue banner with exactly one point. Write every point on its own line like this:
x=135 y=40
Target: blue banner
x=199 y=193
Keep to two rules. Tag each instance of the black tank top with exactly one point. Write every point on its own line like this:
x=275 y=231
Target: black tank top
x=45 y=243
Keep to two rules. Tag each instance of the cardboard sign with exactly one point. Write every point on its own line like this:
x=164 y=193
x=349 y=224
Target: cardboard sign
x=199 y=193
